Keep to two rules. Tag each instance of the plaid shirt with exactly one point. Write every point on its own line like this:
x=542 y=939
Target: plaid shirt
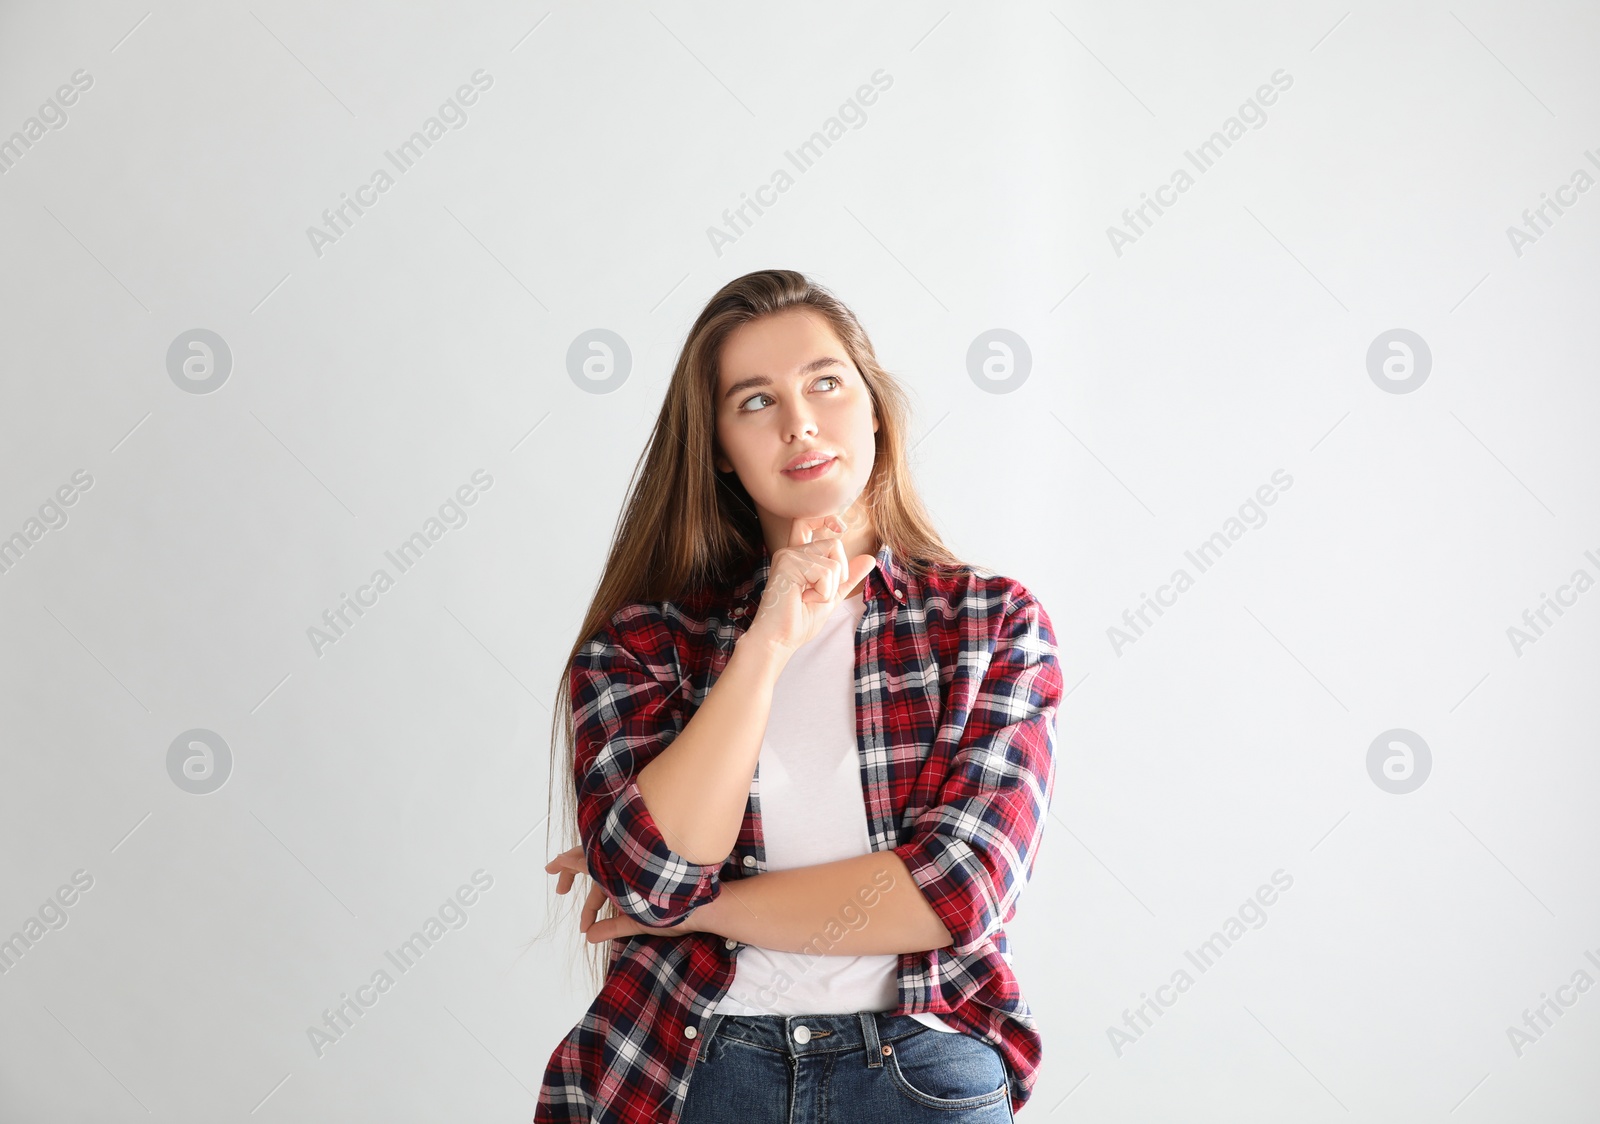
x=957 y=684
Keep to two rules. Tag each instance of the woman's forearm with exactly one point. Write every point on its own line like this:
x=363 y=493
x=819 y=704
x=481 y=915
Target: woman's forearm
x=697 y=788
x=866 y=905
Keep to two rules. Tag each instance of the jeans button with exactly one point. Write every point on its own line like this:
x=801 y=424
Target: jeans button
x=802 y=1034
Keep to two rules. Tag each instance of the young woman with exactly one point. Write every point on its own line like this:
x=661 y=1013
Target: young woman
x=811 y=752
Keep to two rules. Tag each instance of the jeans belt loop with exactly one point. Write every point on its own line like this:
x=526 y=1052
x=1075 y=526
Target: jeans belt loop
x=869 y=1032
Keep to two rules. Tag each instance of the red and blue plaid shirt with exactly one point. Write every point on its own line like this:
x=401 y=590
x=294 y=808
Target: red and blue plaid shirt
x=957 y=685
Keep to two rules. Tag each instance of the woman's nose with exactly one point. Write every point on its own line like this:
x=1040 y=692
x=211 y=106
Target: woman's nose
x=799 y=421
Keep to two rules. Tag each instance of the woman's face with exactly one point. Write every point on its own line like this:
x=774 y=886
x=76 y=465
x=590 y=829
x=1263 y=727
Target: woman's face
x=786 y=386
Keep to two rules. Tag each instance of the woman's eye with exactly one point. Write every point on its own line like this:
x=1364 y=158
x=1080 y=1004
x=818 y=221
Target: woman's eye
x=744 y=406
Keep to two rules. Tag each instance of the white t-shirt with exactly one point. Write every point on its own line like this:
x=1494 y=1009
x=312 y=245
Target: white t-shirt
x=813 y=811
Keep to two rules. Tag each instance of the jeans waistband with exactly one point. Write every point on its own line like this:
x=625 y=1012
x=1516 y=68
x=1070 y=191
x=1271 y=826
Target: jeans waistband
x=799 y=1035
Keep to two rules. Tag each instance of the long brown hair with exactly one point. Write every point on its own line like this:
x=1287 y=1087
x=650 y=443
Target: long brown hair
x=685 y=526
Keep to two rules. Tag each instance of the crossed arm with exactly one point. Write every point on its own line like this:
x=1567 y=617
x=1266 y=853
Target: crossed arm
x=953 y=882
x=861 y=906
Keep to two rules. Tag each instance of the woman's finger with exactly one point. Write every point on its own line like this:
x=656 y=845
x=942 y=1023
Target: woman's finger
x=817 y=574
x=817 y=548
x=610 y=928
x=591 y=908
x=830 y=552
x=811 y=528
x=841 y=565
x=567 y=865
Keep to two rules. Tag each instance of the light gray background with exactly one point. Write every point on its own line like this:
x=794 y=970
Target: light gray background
x=1167 y=385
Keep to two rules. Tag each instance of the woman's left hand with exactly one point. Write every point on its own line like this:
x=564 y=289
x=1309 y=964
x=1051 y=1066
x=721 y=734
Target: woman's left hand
x=570 y=864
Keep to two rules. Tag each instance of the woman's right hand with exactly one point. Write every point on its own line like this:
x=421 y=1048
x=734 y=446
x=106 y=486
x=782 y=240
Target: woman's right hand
x=805 y=581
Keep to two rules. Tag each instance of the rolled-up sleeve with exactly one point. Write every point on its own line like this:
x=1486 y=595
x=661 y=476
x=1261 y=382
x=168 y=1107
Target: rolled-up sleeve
x=623 y=716
x=973 y=852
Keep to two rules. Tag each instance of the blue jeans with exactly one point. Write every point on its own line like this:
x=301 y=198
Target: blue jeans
x=838 y=1069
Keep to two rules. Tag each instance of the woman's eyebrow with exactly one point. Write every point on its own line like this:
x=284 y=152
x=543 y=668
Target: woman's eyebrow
x=762 y=380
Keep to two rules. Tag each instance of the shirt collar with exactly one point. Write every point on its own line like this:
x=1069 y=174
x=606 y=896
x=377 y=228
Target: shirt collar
x=886 y=579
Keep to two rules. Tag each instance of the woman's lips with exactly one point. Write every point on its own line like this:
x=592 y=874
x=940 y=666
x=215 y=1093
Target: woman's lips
x=810 y=473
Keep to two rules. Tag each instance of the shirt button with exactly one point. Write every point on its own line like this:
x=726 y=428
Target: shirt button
x=690 y=1032
x=749 y=860
x=802 y=1034
x=731 y=943
x=899 y=595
